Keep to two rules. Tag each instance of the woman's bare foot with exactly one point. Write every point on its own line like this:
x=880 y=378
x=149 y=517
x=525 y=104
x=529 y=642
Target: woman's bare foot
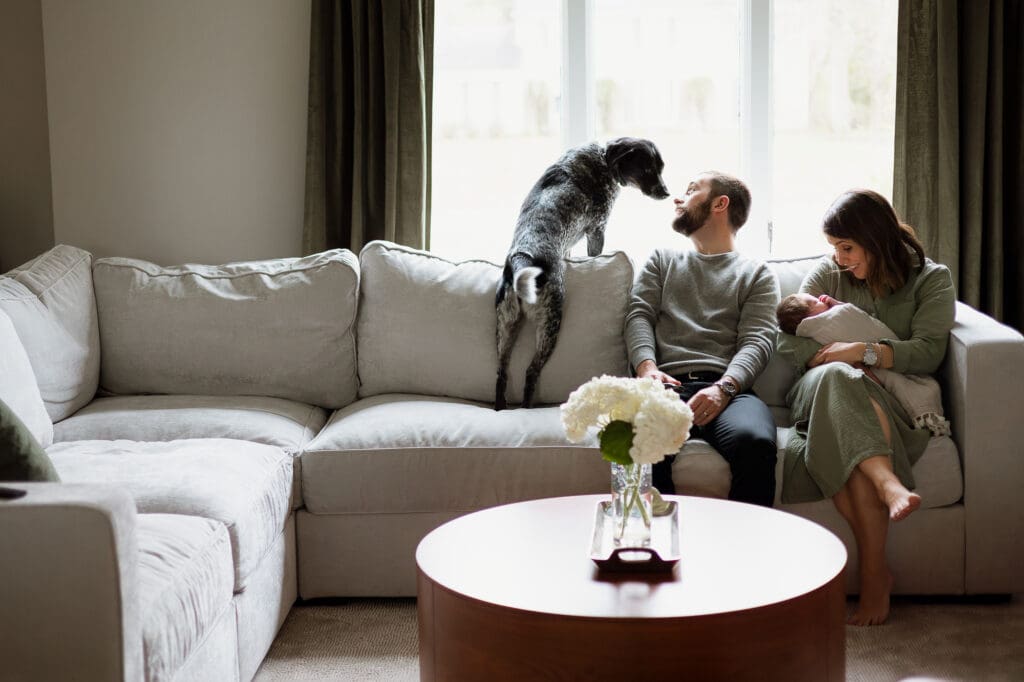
x=873 y=604
x=900 y=501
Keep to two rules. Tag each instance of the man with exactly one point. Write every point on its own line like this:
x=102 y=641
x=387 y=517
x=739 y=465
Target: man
x=703 y=322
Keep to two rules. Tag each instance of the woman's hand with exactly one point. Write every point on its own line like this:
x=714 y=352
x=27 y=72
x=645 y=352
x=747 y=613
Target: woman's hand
x=850 y=353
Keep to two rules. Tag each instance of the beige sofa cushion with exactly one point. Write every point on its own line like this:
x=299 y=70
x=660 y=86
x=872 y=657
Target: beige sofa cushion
x=274 y=421
x=185 y=585
x=245 y=486
x=790 y=272
x=50 y=302
x=427 y=326
x=18 y=387
x=409 y=453
x=281 y=328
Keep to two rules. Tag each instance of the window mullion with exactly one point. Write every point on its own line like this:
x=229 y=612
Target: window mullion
x=757 y=119
x=577 y=73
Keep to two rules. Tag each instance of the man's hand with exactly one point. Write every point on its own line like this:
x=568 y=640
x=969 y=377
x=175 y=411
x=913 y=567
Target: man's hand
x=647 y=368
x=850 y=353
x=707 y=404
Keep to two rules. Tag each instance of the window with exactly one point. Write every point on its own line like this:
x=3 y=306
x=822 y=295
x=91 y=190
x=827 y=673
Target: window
x=497 y=94
x=834 y=93
x=797 y=97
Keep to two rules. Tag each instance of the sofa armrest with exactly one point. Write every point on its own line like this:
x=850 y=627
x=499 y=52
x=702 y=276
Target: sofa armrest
x=981 y=378
x=68 y=585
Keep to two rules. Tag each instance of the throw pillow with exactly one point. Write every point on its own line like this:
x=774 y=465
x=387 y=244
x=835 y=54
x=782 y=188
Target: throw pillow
x=21 y=456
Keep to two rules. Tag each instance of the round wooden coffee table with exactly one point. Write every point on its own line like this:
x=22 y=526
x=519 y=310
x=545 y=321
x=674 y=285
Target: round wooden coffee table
x=510 y=593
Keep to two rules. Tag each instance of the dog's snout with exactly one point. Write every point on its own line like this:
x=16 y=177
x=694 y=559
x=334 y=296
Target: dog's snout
x=659 y=191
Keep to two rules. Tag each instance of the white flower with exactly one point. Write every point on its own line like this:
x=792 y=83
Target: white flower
x=660 y=420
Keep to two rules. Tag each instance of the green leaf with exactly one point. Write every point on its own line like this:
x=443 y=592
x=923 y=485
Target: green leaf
x=616 y=440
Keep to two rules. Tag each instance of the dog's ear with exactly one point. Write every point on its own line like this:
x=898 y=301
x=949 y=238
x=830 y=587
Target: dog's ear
x=618 y=149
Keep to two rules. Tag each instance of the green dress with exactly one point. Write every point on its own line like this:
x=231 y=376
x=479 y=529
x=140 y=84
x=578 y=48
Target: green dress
x=835 y=426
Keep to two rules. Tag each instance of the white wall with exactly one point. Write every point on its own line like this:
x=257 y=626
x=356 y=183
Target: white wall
x=178 y=128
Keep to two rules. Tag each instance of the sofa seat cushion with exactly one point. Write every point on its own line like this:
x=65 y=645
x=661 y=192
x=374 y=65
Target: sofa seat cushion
x=273 y=421
x=408 y=296
x=282 y=327
x=246 y=486
x=409 y=453
x=51 y=303
x=185 y=584
x=700 y=470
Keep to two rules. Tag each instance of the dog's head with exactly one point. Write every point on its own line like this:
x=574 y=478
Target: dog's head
x=634 y=161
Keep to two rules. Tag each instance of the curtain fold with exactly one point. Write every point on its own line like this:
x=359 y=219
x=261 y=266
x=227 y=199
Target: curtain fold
x=959 y=159
x=369 y=126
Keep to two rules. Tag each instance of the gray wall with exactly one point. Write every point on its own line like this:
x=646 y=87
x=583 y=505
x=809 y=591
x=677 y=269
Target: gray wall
x=26 y=216
x=177 y=130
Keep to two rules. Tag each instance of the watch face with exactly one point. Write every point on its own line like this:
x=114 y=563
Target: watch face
x=870 y=358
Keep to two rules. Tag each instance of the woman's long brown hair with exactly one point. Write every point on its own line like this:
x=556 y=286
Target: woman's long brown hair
x=868 y=219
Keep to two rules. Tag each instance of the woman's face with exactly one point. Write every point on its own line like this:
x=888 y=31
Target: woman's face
x=851 y=256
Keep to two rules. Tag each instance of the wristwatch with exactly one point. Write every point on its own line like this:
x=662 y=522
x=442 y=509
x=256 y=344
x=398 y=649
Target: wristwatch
x=728 y=388
x=870 y=356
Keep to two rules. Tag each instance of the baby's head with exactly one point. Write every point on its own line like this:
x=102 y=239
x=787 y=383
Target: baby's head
x=795 y=308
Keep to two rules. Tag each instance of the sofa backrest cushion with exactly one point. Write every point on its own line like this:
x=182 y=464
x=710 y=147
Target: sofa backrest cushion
x=280 y=328
x=50 y=301
x=427 y=326
x=18 y=388
x=791 y=272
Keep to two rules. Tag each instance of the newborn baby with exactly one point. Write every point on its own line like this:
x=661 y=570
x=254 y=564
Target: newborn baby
x=827 y=320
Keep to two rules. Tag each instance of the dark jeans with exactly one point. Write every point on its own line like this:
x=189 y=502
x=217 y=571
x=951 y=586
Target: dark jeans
x=744 y=434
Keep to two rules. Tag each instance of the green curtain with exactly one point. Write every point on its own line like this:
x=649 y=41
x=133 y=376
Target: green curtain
x=959 y=163
x=368 y=140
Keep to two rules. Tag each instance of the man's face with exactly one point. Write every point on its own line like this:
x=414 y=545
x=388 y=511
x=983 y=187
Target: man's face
x=694 y=209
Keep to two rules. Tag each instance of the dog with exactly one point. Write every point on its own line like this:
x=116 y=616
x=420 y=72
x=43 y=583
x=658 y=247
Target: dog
x=572 y=199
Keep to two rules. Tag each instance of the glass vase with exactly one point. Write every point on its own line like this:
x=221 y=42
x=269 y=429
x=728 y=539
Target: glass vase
x=631 y=505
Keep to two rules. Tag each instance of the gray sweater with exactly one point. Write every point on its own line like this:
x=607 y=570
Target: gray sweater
x=690 y=312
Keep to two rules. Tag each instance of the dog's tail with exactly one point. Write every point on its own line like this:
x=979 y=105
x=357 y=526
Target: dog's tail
x=526 y=284
x=522 y=279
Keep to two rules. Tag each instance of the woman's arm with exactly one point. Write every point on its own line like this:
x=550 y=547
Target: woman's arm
x=935 y=300
x=796 y=349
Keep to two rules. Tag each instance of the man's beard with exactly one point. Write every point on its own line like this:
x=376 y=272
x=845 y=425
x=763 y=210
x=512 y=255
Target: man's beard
x=692 y=219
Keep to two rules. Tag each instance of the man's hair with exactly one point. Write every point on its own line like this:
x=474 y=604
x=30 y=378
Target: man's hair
x=738 y=193
x=791 y=311
x=868 y=219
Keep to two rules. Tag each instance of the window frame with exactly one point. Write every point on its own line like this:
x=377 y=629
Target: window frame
x=756 y=122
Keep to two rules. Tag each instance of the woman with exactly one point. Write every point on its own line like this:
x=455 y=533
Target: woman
x=852 y=441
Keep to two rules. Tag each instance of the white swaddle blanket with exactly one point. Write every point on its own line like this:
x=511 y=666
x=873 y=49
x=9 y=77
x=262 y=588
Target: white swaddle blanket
x=919 y=395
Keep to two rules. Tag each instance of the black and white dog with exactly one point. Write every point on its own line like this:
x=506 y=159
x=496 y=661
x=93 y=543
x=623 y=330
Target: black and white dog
x=572 y=199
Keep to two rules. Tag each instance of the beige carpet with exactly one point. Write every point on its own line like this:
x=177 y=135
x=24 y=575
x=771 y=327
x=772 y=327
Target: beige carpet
x=375 y=639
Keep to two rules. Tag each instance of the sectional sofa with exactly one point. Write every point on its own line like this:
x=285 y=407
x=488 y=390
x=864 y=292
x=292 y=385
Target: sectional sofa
x=231 y=438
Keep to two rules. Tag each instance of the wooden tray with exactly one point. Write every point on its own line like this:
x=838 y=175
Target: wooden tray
x=660 y=557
